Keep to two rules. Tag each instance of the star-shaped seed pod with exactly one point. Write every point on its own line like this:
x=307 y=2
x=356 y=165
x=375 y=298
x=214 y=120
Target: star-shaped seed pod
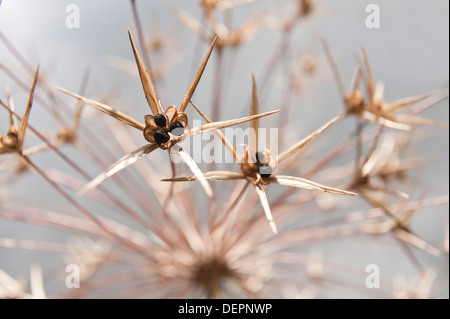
x=354 y=98
x=161 y=129
x=12 y=141
x=373 y=108
x=387 y=111
x=67 y=134
x=258 y=169
x=299 y=10
x=398 y=223
x=383 y=163
x=225 y=37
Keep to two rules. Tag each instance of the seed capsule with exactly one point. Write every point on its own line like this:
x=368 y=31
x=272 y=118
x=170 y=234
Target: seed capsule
x=261 y=158
x=161 y=137
x=265 y=171
x=160 y=120
x=12 y=135
x=177 y=129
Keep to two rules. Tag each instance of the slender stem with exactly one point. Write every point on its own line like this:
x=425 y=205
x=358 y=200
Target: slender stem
x=81 y=171
x=83 y=210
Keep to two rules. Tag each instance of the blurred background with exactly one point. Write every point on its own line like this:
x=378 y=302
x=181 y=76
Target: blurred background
x=409 y=53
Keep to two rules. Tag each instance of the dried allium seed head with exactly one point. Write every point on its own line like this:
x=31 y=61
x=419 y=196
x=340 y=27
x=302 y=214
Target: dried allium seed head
x=354 y=102
x=308 y=64
x=66 y=135
x=260 y=164
x=157 y=42
x=305 y=7
x=158 y=127
x=10 y=140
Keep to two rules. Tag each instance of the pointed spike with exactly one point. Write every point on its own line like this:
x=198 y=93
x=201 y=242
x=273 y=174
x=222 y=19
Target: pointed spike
x=297 y=147
x=416 y=241
x=334 y=69
x=265 y=203
x=122 y=163
x=180 y=179
x=222 y=136
x=249 y=27
x=218 y=125
x=370 y=84
x=77 y=116
x=375 y=157
x=147 y=85
x=24 y=121
x=405 y=102
x=307 y=184
x=36 y=149
x=370 y=117
x=11 y=106
x=415 y=120
x=209 y=176
x=141 y=40
x=356 y=78
x=106 y=109
x=254 y=124
x=378 y=91
x=196 y=170
x=191 y=90
x=189 y=21
x=390 y=191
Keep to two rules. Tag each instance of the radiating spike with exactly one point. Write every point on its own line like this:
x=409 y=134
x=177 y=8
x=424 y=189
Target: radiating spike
x=222 y=136
x=11 y=106
x=106 y=109
x=147 y=85
x=356 y=78
x=122 y=163
x=405 y=102
x=195 y=169
x=416 y=120
x=191 y=90
x=370 y=117
x=218 y=125
x=370 y=84
x=297 y=147
x=265 y=203
x=336 y=75
x=209 y=176
x=77 y=116
x=24 y=121
x=307 y=184
x=189 y=21
x=416 y=241
x=254 y=124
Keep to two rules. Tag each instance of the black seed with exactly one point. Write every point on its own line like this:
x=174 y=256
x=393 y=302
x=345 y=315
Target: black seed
x=265 y=171
x=261 y=158
x=177 y=129
x=160 y=120
x=161 y=137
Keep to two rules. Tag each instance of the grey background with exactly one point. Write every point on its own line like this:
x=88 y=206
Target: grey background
x=409 y=53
